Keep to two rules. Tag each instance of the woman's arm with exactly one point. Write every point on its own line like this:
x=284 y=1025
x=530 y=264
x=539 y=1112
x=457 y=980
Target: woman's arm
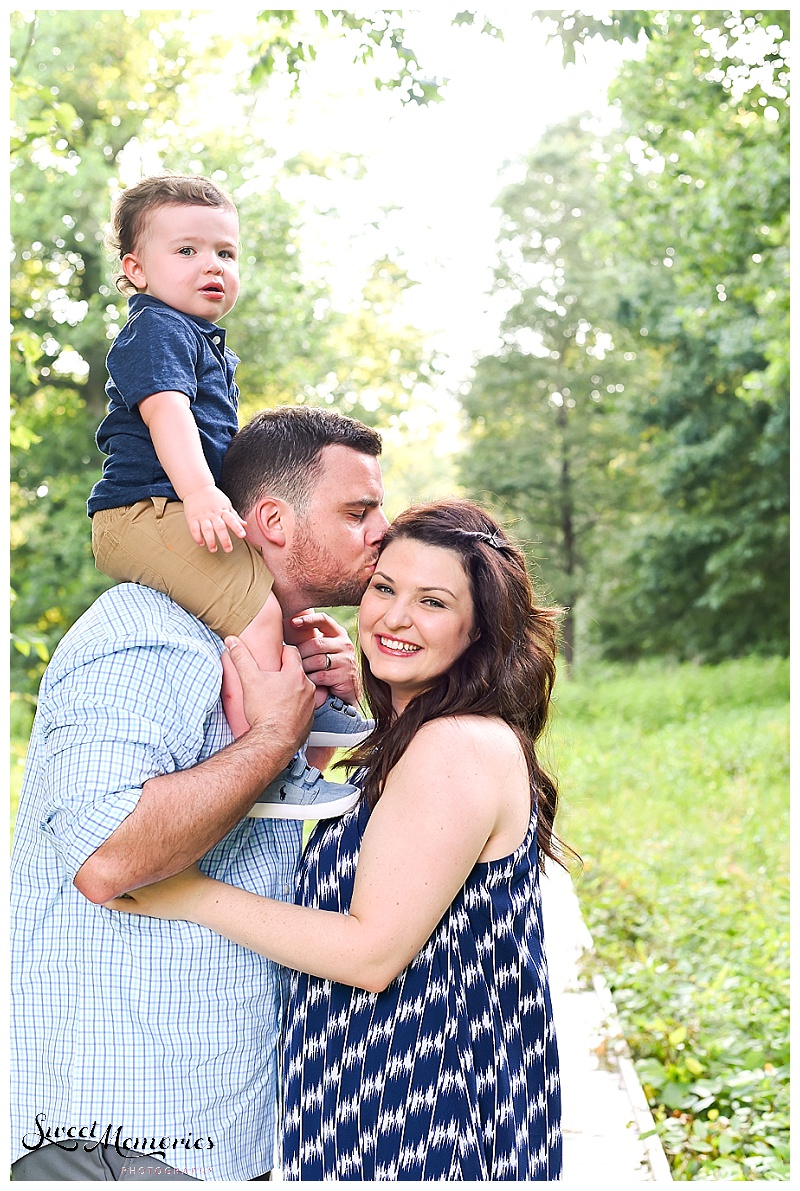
x=442 y=803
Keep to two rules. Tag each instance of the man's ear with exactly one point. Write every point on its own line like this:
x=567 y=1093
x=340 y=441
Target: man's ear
x=134 y=270
x=272 y=519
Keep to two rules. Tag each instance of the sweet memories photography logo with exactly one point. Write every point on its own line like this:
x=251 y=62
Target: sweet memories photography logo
x=69 y=1137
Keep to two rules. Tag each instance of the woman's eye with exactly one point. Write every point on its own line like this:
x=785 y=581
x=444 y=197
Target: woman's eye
x=383 y=588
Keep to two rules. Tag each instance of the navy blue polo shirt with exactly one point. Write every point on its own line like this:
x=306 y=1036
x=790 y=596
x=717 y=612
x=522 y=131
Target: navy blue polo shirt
x=159 y=350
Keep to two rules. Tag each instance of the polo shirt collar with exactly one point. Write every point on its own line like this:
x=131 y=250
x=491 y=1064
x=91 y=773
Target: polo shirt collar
x=138 y=302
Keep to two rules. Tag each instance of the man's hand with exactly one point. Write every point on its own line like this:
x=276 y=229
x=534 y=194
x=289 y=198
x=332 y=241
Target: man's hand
x=180 y=815
x=209 y=515
x=329 y=658
x=280 y=702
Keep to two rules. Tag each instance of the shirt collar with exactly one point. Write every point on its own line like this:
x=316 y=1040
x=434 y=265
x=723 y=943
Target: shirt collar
x=137 y=302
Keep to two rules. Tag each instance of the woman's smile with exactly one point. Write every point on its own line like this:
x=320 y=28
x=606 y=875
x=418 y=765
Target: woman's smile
x=393 y=645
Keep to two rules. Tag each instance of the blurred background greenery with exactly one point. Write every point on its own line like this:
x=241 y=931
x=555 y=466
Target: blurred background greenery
x=674 y=781
x=629 y=423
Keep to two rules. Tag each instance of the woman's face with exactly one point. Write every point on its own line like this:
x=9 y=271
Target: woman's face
x=416 y=617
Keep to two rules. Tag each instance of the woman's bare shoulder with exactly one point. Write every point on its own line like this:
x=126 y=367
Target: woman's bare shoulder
x=456 y=735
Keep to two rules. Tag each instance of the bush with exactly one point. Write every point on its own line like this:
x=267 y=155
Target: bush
x=675 y=792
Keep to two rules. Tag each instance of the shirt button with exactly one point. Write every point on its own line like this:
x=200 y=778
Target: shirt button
x=216 y=340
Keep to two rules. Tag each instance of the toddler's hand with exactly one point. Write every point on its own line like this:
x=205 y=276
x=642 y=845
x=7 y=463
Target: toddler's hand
x=209 y=515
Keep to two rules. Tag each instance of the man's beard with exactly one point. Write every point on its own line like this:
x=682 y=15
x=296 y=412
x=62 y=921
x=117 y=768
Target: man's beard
x=315 y=571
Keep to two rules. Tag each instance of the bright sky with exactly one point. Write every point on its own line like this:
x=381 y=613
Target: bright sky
x=437 y=168
x=441 y=165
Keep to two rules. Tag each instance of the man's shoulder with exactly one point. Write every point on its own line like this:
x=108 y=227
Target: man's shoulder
x=130 y=616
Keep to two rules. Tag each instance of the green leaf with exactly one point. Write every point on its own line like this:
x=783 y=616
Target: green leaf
x=674 y=1095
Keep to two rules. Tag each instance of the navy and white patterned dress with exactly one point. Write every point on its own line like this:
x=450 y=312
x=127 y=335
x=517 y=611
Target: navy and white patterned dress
x=452 y=1071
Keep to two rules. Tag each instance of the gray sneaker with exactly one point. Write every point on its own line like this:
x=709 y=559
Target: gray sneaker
x=301 y=792
x=338 y=725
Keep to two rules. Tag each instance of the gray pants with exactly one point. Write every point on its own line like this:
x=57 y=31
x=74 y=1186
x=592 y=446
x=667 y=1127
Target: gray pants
x=51 y=1163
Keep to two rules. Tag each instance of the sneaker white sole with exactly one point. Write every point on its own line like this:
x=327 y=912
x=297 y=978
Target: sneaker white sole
x=306 y=810
x=339 y=740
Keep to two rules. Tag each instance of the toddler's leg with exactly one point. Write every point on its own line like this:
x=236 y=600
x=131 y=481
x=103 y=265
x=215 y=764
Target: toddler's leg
x=264 y=638
x=299 y=791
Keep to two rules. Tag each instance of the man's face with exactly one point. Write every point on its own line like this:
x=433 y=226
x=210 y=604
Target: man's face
x=334 y=545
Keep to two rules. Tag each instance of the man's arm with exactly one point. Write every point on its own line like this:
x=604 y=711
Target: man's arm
x=460 y=783
x=179 y=816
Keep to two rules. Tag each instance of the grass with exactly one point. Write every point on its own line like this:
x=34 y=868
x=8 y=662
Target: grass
x=674 y=787
x=674 y=783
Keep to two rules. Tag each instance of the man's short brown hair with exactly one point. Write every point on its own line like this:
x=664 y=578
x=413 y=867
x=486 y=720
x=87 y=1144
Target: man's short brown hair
x=279 y=452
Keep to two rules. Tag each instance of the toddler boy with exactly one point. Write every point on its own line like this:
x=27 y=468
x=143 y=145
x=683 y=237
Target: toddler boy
x=158 y=515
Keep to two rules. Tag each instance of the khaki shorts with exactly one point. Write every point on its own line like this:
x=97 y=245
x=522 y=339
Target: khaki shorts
x=149 y=542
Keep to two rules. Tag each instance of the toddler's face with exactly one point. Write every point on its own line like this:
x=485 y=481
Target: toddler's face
x=188 y=258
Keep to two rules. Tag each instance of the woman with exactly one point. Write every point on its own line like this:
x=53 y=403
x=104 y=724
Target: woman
x=419 y=1039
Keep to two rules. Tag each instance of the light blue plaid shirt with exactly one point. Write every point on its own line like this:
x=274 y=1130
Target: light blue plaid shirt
x=158 y=1035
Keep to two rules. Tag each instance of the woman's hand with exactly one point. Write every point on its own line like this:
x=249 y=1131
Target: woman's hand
x=329 y=657
x=176 y=897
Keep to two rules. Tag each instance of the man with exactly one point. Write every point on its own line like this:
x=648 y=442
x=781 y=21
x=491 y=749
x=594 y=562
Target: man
x=142 y=1049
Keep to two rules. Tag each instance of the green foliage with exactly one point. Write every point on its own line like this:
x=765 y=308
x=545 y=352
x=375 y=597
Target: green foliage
x=287 y=45
x=675 y=785
x=54 y=578
x=697 y=180
x=91 y=93
x=544 y=410
x=574 y=28
x=645 y=278
x=472 y=18
x=20 y=720
x=79 y=96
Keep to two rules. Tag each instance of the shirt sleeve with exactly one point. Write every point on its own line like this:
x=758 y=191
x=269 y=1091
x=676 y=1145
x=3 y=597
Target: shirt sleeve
x=153 y=353
x=110 y=725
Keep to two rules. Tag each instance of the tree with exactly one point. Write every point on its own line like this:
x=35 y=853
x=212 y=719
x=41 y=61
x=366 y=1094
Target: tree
x=288 y=43
x=90 y=92
x=544 y=409
x=574 y=28
x=662 y=514
x=698 y=182
x=78 y=100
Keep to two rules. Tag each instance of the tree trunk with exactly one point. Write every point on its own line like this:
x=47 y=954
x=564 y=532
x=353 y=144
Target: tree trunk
x=567 y=536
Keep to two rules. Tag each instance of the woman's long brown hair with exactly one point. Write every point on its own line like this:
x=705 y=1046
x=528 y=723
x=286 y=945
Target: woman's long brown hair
x=507 y=671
